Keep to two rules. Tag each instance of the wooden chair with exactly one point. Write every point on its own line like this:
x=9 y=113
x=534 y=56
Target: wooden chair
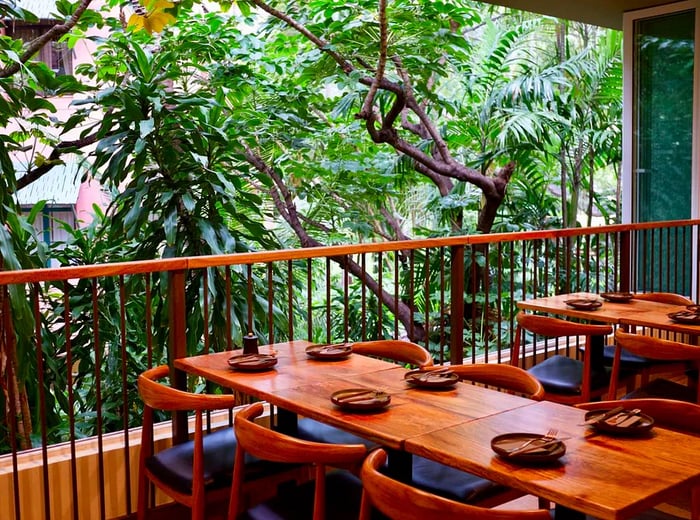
x=645 y=367
x=309 y=500
x=401 y=501
x=399 y=351
x=565 y=380
x=448 y=482
x=679 y=416
x=654 y=348
x=198 y=471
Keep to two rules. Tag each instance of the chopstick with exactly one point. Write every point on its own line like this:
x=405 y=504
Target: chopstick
x=607 y=415
x=362 y=395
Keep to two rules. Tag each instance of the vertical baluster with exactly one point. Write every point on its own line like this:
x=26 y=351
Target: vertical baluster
x=45 y=482
x=97 y=352
x=380 y=302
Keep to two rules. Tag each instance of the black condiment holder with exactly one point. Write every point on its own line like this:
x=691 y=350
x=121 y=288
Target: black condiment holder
x=250 y=343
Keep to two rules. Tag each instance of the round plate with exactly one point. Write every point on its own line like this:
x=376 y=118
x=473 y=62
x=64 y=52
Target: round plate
x=584 y=304
x=617 y=297
x=610 y=425
x=431 y=378
x=690 y=315
x=330 y=352
x=252 y=362
x=361 y=399
x=504 y=444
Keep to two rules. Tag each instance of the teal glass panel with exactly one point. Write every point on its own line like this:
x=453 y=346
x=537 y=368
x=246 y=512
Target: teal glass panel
x=664 y=49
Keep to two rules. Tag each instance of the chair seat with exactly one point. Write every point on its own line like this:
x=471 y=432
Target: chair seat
x=665 y=389
x=452 y=483
x=563 y=375
x=174 y=465
x=343 y=495
x=628 y=359
x=312 y=430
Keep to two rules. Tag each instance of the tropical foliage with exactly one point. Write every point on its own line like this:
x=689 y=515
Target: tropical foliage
x=281 y=124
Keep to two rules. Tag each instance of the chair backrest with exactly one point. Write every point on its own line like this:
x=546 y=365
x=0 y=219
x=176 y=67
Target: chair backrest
x=664 y=297
x=396 y=350
x=652 y=347
x=681 y=416
x=504 y=377
x=162 y=397
x=267 y=444
x=400 y=501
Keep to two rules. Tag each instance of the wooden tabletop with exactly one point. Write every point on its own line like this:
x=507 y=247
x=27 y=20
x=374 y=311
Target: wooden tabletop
x=601 y=475
x=304 y=385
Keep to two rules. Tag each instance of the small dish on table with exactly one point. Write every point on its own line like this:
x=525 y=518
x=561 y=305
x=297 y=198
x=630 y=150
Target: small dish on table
x=362 y=399
x=330 y=352
x=584 y=304
x=617 y=297
x=432 y=378
x=252 y=362
x=621 y=422
x=690 y=315
x=528 y=448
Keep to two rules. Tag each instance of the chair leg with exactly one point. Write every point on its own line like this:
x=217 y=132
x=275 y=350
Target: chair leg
x=142 y=503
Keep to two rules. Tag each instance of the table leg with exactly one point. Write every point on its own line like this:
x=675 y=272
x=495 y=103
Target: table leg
x=286 y=421
x=399 y=465
x=564 y=513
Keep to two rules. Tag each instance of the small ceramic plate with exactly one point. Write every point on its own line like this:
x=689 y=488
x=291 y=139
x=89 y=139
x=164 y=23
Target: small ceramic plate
x=504 y=445
x=252 y=362
x=329 y=352
x=622 y=423
x=431 y=379
x=617 y=297
x=361 y=399
x=690 y=315
x=584 y=304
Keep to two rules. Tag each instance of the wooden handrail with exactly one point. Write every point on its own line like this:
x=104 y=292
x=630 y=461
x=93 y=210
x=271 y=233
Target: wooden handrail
x=175 y=264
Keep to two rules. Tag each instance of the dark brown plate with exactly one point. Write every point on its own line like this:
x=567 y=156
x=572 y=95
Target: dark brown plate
x=431 y=379
x=330 y=352
x=644 y=424
x=361 y=399
x=690 y=316
x=617 y=297
x=252 y=362
x=584 y=304
x=504 y=444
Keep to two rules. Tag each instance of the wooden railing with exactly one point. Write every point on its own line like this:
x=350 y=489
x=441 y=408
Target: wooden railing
x=75 y=338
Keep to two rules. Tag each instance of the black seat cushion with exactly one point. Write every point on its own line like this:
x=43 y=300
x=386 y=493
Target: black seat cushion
x=563 y=375
x=174 y=465
x=452 y=483
x=627 y=359
x=312 y=430
x=343 y=495
x=664 y=389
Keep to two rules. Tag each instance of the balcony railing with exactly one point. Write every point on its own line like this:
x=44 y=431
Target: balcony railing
x=74 y=339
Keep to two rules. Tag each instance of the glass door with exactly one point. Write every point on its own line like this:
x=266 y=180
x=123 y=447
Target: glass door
x=660 y=181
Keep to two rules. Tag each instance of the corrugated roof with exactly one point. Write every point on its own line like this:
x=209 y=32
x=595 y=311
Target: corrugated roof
x=43 y=9
x=59 y=186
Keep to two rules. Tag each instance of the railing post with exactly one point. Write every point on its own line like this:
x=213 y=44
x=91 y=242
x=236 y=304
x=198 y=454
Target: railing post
x=177 y=345
x=625 y=264
x=457 y=305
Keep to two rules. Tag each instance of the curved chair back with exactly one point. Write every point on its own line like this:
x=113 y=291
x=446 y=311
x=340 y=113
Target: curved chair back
x=267 y=444
x=395 y=350
x=400 y=501
x=504 y=377
x=664 y=297
x=680 y=416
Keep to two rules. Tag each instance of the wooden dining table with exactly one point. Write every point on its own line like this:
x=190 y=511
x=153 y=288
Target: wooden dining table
x=608 y=477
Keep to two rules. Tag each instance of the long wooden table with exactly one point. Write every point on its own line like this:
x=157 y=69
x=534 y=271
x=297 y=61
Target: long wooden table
x=611 y=478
